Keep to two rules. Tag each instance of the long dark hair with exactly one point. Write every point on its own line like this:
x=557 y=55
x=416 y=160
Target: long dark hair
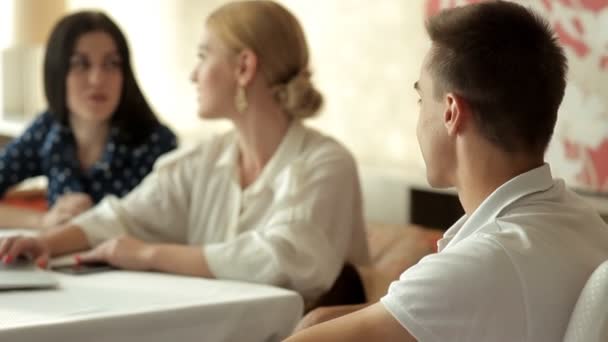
x=133 y=116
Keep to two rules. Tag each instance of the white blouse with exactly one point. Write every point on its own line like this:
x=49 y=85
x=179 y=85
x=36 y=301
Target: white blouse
x=294 y=227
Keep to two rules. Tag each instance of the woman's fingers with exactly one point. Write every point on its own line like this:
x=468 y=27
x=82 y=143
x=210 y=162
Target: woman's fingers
x=94 y=255
x=5 y=245
x=22 y=246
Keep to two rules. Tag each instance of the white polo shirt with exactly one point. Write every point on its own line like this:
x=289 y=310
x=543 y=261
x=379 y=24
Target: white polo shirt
x=512 y=271
x=293 y=227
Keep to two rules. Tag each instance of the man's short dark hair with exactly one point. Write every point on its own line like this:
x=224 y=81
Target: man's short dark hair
x=505 y=61
x=133 y=116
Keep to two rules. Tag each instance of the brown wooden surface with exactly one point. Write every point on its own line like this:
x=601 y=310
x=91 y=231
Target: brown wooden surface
x=393 y=249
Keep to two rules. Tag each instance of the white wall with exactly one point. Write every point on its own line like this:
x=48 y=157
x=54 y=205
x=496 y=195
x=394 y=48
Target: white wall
x=6 y=34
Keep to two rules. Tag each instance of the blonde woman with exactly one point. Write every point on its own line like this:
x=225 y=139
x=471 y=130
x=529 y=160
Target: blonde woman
x=271 y=202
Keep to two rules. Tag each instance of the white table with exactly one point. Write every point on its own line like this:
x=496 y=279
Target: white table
x=137 y=306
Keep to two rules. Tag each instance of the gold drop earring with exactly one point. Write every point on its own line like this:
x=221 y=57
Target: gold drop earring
x=240 y=99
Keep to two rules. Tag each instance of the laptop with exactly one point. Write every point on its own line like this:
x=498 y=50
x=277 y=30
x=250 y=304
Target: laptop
x=25 y=275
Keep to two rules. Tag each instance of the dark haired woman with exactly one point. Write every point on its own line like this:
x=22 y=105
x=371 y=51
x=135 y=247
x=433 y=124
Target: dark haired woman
x=99 y=135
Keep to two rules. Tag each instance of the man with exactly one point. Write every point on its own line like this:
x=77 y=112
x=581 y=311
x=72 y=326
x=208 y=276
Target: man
x=512 y=268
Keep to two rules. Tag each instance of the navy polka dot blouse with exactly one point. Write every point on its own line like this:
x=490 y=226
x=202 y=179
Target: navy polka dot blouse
x=48 y=148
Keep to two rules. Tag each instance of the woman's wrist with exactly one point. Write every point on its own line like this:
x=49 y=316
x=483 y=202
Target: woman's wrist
x=150 y=255
x=34 y=220
x=63 y=240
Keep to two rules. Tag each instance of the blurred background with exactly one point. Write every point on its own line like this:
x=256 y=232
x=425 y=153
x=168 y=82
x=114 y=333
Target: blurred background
x=365 y=58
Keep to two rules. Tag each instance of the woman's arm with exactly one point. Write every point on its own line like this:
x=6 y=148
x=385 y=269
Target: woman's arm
x=129 y=253
x=314 y=222
x=179 y=259
x=40 y=248
x=67 y=239
x=155 y=211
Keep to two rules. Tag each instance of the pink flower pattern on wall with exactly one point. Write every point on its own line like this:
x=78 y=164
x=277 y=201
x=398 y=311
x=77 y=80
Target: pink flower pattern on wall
x=579 y=150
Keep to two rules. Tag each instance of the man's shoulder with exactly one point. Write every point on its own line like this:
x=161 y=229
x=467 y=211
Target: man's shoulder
x=538 y=221
x=545 y=218
x=478 y=256
x=469 y=279
x=557 y=202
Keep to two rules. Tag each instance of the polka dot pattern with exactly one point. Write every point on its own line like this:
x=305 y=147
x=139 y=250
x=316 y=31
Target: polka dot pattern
x=48 y=148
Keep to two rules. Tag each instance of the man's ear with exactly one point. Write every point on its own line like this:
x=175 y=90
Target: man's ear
x=457 y=113
x=246 y=67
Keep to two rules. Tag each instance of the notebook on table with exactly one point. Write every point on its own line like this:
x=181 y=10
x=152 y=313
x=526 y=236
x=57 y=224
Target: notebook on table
x=25 y=275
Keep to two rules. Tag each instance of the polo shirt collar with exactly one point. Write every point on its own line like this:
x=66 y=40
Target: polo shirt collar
x=533 y=181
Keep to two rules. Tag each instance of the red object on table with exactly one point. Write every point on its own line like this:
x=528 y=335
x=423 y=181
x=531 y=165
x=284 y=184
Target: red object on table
x=38 y=203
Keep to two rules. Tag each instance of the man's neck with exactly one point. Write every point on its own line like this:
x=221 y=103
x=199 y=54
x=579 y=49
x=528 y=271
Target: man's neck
x=481 y=175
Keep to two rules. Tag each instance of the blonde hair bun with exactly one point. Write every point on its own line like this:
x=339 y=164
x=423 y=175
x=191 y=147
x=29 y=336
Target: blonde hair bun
x=298 y=97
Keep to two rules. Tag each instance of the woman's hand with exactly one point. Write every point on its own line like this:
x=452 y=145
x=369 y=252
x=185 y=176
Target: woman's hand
x=66 y=207
x=34 y=248
x=123 y=252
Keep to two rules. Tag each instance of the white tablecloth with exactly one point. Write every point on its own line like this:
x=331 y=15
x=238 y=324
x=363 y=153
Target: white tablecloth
x=134 y=306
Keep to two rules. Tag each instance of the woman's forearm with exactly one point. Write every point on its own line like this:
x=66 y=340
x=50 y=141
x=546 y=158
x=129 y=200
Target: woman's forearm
x=66 y=239
x=178 y=259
